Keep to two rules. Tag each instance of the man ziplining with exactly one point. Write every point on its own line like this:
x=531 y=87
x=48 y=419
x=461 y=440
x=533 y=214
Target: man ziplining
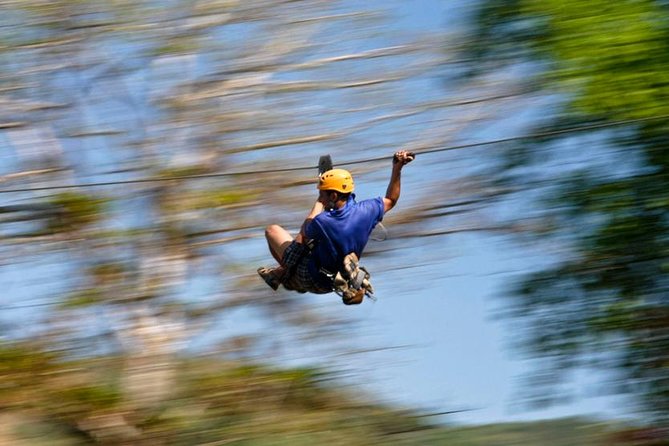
x=323 y=258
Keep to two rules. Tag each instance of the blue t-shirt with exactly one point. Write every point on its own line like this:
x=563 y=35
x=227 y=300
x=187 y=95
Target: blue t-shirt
x=339 y=232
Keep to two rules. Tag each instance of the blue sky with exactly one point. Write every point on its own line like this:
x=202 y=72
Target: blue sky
x=458 y=353
x=452 y=353
x=462 y=356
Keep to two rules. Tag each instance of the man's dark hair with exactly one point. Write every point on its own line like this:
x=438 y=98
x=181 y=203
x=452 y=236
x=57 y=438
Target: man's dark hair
x=342 y=195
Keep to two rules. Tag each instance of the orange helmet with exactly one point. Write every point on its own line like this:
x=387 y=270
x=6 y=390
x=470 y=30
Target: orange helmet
x=336 y=179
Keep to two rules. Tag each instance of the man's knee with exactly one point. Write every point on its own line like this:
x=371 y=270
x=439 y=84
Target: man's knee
x=272 y=231
x=278 y=240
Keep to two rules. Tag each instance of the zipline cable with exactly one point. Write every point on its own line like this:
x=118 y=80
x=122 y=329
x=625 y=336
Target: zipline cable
x=346 y=163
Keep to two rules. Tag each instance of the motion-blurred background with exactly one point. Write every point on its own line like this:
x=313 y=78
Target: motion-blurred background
x=522 y=280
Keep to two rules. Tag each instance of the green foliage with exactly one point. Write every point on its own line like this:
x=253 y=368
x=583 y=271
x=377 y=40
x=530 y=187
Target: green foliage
x=82 y=298
x=562 y=432
x=87 y=399
x=207 y=199
x=74 y=211
x=19 y=366
x=236 y=403
x=212 y=400
x=610 y=58
x=107 y=272
x=606 y=299
x=180 y=46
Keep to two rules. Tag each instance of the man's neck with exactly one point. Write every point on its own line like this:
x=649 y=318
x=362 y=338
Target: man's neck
x=340 y=204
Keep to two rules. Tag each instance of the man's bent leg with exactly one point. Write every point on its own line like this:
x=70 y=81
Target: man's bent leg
x=278 y=239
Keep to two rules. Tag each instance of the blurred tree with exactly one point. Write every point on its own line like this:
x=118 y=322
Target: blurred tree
x=113 y=91
x=604 y=301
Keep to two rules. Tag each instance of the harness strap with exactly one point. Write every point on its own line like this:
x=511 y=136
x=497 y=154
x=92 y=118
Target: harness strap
x=351 y=282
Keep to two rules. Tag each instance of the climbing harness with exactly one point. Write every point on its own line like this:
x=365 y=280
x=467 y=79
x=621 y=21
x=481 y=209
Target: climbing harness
x=352 y=282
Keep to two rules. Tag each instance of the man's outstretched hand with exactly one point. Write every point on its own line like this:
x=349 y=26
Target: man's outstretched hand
x=403 y=157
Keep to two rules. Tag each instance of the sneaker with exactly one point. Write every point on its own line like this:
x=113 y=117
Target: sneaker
x=268 y=276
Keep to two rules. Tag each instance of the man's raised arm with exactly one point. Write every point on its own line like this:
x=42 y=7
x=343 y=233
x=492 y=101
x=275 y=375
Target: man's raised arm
x=394 y=186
